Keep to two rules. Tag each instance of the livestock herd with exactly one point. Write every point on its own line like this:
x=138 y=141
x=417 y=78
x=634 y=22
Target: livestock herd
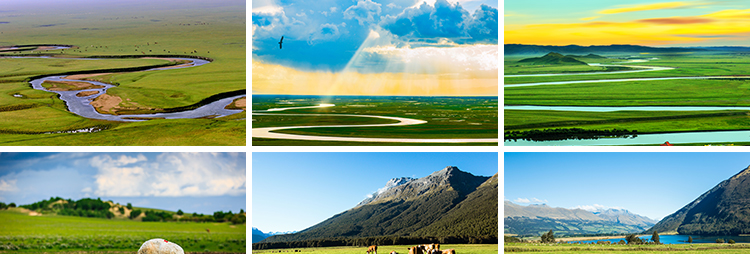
x=433 y=248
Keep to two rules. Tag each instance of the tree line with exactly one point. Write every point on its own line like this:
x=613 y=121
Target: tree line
x=97 y=208
x=376 y=240
x=565 y=134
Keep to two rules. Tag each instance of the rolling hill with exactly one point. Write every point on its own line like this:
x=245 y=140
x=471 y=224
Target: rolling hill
x=552 y=58
x=722 y=210
x=526 y=49
x=447 y=203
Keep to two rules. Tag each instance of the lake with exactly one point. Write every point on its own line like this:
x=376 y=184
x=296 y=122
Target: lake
x=681 y=239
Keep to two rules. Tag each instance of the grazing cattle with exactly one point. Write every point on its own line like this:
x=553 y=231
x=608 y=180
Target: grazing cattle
x=208 y=230
x=416 y=250
x=372 y=249
x=449 y=251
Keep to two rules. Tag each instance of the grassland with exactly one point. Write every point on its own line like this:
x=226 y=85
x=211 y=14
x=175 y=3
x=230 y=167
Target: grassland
x=140 y=28
x=681 y=92
x=20 y=232
x=626 y=249
x=460 y=249
x=447 y=117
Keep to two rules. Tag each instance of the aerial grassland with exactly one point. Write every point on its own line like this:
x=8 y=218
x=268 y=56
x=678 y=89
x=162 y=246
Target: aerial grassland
x=730 y=89
x=132 y=31
x=447 y=117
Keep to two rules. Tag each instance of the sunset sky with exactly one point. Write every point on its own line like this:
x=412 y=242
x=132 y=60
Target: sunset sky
x=651 y=23
x=380 y=47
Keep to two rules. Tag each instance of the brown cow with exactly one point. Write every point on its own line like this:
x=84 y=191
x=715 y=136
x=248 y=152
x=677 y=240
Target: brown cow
x=449 y=251
x=372 y=249
x=416 y=250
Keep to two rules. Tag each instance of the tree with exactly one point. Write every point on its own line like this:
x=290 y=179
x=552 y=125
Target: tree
x=12 y=205
x=633 y=239
x=655 y=237
x=548 y=237
x=122 y=210
x=690 y=239
x=135 y=214
x=719 y=240
x=242 y=211
x=179 y=212
x=130 y=206
x=731 y=241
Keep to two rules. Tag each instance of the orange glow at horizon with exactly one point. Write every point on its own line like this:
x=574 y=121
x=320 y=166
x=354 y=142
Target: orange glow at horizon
x=277 y=79
x=726 y=25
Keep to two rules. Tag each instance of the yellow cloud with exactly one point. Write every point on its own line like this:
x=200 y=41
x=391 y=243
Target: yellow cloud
x=277 y=79
x=656 y=31
x=646 y=7
x=590 y=18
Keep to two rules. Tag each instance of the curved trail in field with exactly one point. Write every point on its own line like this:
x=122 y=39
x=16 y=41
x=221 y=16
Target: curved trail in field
x=643 y=68
x=268 y=132
x=82 y=105
x=618 y=80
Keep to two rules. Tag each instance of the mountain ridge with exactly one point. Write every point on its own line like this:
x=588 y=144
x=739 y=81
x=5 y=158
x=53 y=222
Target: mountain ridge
x=416 y=207
x=722 y=210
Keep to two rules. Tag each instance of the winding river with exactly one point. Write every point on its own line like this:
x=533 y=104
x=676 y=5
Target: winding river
x=82 y=105
x=641 y=139
x=268 y=132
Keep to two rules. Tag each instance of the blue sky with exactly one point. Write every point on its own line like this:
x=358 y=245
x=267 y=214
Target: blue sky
x=326 y=34
x=650 y=184
x=193 y=182
x=293 y=191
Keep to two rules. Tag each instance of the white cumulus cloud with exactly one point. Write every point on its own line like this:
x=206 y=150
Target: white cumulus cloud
x=169 y=175
x=8 y=185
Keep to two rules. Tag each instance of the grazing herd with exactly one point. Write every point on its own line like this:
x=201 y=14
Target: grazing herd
x=433 y=248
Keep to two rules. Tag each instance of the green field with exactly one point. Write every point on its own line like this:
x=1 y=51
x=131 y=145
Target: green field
x=626 y=249
x=447 y=117
x=460 y=249
x=51 y=233
x=681 y=92
x=215 y=31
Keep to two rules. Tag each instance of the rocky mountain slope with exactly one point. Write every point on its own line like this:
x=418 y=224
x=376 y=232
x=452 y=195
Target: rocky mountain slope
x=722 y=210
x=448 y=202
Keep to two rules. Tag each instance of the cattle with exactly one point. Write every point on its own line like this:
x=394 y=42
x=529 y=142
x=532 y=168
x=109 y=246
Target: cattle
x=415 y=250
x=449 y=251
x=394 y=252
x=372 y=249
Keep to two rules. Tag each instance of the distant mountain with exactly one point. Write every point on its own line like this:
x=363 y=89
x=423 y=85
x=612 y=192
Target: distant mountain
x=525 y=49
x=259 y=235
x=722 y=210
x=552 y=58
x=448 y=202
x=537 y=219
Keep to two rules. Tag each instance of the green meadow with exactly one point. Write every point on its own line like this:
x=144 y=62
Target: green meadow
x=447 y=117
x=158 y=28
x=20 y=232
x=460 y=249
x=732 y=91
x=625 y=249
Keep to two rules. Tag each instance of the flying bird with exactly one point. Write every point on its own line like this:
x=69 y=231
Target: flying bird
x=282 y=40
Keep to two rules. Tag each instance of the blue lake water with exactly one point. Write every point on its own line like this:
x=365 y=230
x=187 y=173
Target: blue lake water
x=681 y=239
